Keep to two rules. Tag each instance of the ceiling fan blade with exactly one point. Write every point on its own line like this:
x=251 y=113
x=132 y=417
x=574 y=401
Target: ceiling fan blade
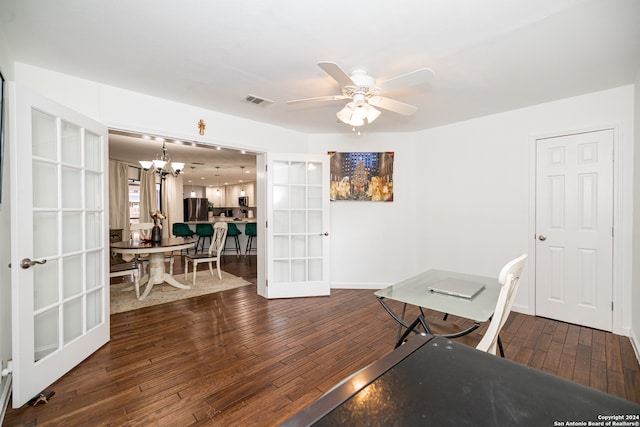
x=337 y=73
x=319 y=99
x=393 y=105
x=414 y=78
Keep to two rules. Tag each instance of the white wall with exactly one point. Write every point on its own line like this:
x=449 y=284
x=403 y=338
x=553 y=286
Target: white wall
x=635 y=292
x=474 y=188
x=373 y=243
x=122 y=109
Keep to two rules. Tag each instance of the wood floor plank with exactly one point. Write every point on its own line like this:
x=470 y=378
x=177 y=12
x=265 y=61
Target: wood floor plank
x=233 y=358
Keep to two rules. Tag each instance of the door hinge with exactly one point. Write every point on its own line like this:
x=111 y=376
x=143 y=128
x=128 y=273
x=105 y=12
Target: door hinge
x=611 y=305
x=612 y=232
x=266 y=283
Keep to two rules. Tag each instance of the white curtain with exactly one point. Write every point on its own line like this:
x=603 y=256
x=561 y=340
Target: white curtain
x=171 y=204
x=119 y=197
x=148 y=195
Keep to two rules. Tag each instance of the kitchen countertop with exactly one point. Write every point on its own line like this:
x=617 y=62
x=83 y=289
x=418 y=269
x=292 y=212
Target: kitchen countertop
x=224 y=219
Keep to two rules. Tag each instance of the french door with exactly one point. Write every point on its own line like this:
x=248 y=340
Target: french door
x=59 y=280
x=297 y=225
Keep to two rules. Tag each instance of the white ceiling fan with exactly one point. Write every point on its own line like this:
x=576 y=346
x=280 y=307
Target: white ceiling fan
x=365 y=94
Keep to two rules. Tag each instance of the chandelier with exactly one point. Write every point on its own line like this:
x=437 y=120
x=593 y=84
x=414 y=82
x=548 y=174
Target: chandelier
x=163 y=164
x=356 y=111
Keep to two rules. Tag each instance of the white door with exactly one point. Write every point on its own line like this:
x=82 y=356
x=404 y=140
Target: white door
x=297 y=219
x=60 y=301
x=574 y=228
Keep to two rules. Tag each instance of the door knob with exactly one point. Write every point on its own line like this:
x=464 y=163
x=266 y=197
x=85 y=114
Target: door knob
x=26 y=262
x=542 y=237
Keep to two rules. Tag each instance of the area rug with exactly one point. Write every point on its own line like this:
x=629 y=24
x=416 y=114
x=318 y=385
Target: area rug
x=122 y=301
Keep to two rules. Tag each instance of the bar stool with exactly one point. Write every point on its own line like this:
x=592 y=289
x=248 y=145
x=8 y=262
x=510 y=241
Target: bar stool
x=232 y=231
x=203 y=231
x=180 y=229
x=251 y=231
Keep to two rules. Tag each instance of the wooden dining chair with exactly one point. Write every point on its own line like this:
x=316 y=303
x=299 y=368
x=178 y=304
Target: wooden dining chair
x=509 y=278
x=213 y=254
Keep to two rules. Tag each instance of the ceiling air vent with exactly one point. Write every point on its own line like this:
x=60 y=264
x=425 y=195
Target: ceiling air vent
x=256 y=100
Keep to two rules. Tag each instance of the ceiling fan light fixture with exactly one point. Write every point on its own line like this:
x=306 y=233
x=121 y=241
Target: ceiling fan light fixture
x=355 y=112
x=372 y=114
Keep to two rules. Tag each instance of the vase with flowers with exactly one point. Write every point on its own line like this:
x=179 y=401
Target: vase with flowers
x=156 y=231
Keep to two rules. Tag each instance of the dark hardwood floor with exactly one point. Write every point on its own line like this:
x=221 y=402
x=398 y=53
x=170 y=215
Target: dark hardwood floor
x=235 y=359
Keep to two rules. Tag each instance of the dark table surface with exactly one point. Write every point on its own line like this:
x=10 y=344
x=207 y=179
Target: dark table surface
x=437 y=382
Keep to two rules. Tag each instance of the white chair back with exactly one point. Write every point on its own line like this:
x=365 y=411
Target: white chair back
x=509 y=278
x=141 y=230
x=218 y=239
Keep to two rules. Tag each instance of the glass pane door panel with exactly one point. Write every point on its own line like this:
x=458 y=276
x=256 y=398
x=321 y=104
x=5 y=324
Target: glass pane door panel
x=314 y=198
x=94 y=309
x=93 y=152
x=93 y=190
x=315 y=245
x=71 y=276
x=298 y=221
x=45 y=333
x=298 y=173
x=298 y=197
x=44 y=135
x=280 y=222
x=281 y=271
x=314 y=174
x=71 y=149
x=280 y=197
x=93 y=230
x=72 y=184
x=298 y=246
x=45 y=185
x=71 y=232
x=45 y=288
x=45 y=234
x=281 y=246
x=299 y=270
x=94 y=269
x=315 y=222
x=315 y=270
x=280 y=173
x=72 y=323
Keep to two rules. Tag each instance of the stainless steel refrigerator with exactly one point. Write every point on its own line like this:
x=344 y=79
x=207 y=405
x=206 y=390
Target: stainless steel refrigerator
x=195 y=209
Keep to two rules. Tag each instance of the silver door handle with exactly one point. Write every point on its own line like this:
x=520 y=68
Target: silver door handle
x=26 y=262
x=542 y=237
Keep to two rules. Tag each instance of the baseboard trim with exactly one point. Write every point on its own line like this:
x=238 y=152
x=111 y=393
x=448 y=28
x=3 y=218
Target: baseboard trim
x=352 y=285
x=635 y=343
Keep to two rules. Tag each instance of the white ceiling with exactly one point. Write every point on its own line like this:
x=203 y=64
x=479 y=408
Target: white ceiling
x=488 y=56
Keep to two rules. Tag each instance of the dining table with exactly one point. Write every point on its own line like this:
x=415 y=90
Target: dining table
x=415 y=291
x=156 y=253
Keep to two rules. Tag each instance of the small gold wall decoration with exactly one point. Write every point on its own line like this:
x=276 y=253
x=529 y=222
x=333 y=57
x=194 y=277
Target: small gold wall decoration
x=202 y=125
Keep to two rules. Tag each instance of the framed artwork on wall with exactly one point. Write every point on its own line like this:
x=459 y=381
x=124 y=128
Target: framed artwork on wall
x=362 y=176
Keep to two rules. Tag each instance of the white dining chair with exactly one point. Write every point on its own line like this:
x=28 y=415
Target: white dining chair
x=213 y=254
x=126 y=269
x=144 y=232
x=509 y=278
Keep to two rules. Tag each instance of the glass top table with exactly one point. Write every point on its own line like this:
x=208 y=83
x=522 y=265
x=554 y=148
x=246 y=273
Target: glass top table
x=415 y=291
